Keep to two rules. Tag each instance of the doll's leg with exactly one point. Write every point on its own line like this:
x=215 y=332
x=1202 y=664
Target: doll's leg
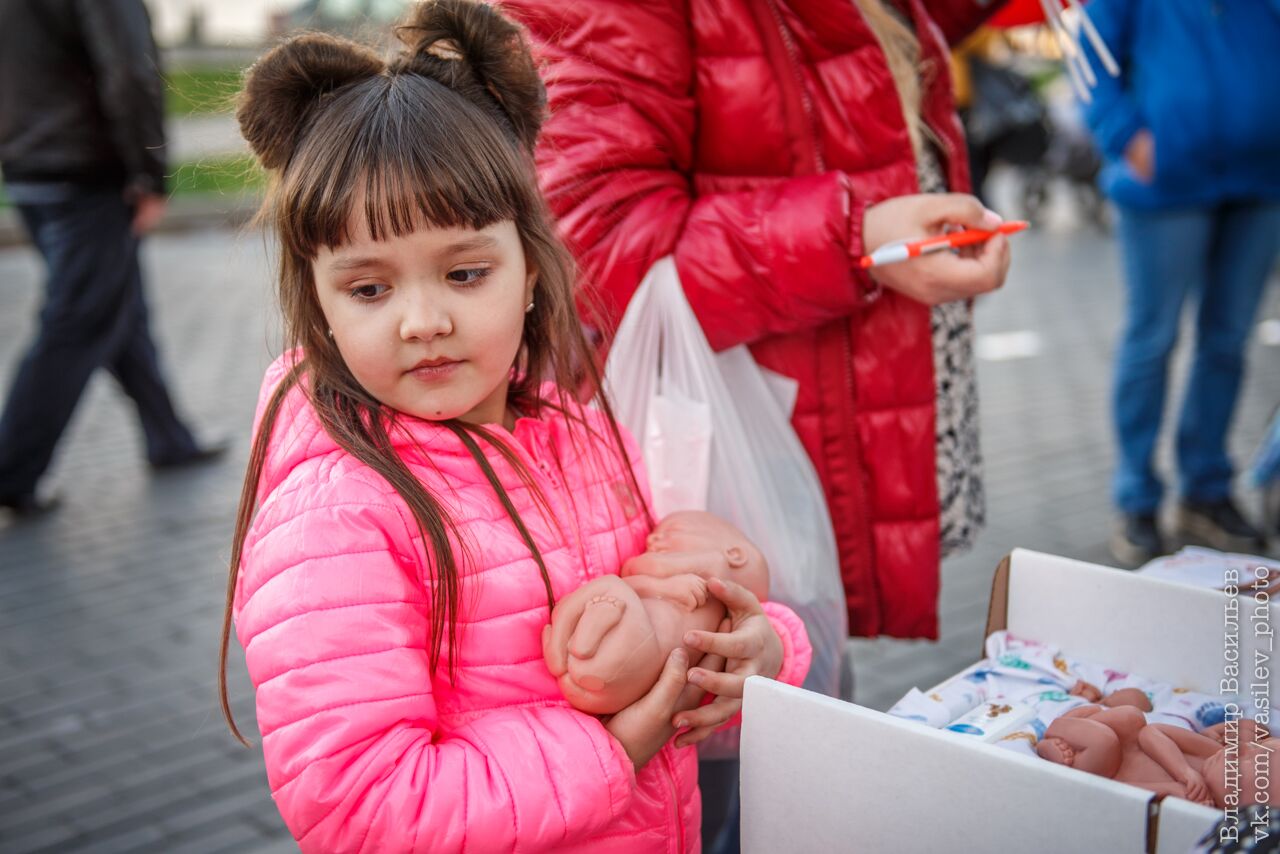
x=1081 y=743
x=600 y=603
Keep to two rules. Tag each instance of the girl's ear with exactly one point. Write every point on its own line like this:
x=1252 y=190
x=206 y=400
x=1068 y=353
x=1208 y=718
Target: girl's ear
x=282 y=88
x=530 y=284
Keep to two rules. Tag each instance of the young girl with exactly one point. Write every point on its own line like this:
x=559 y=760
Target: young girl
x=423 y=486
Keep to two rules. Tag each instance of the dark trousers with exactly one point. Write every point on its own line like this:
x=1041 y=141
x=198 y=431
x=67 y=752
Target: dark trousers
x=94 y=316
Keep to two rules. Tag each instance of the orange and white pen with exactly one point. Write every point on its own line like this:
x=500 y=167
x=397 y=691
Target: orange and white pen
x=902 y=250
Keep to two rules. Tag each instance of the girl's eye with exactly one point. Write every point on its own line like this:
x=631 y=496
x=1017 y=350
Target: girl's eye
x=367 y=293
x=468 y=278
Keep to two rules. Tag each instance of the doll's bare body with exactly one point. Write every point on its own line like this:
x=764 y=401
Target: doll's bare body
x=1118 y=742
x=608 y=640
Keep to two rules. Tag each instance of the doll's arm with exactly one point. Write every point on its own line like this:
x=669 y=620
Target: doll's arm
x=688 y=591
x=1188 y=742
x=1158 y=743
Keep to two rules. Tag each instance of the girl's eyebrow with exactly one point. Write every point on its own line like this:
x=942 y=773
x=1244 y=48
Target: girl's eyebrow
x=354 y=263
x=470 y=244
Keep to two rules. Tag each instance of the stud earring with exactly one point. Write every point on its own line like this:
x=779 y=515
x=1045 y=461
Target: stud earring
x=528 y=308
x=330 y=333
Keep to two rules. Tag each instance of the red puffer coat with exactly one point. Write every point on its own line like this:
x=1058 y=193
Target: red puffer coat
x=747 y=137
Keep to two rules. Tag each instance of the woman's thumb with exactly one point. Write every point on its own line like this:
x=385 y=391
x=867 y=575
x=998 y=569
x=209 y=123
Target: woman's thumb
x=962 y=209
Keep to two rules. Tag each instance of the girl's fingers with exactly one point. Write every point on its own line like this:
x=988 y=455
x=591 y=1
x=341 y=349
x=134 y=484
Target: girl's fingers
x=720 y=684
x=712 y=663
x=694 y=736
x=739 y=600
x=712 y=714
x=730 y=645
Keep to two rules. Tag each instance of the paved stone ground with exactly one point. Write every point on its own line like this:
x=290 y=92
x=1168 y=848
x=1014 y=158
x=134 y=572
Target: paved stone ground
x=110 y=737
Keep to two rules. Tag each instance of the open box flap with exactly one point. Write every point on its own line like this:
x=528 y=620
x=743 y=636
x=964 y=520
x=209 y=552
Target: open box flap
x=1130 y=622
x=1182 y=825
x=822 y=775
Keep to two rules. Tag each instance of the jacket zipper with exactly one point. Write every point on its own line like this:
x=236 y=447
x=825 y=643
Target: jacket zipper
x=675 y=797
x=794 y=53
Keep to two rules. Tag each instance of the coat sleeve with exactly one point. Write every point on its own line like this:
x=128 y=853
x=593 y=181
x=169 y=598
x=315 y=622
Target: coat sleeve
x=616 y=164
x=333 y=615
x=126 y=69
x=797 y=652
x=1113 y=116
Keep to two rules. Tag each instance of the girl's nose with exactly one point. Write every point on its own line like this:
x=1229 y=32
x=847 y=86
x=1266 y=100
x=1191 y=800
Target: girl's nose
x=425 y=319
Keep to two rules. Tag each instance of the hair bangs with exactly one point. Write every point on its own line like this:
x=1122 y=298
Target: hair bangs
x=404 y=152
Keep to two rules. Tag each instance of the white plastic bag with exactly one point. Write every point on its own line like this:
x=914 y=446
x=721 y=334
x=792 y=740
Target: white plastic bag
x=716 y=437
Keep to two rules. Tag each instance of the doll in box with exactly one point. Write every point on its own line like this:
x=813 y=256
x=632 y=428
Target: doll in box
x=1117 y=742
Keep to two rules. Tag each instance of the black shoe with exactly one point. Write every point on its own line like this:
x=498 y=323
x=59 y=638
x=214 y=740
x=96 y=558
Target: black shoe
x=29 y=506
x=198 y=457
x=1217 y=524
x=1136 y=539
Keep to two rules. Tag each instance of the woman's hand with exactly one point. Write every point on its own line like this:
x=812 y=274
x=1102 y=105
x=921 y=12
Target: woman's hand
x=749 y=646
x=942 y=276
x=645 y=726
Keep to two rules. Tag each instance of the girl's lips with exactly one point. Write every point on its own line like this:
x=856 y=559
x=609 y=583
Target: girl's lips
x=434 y=373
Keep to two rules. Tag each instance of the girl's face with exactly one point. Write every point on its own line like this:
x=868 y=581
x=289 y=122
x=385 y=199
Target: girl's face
x=429 y=323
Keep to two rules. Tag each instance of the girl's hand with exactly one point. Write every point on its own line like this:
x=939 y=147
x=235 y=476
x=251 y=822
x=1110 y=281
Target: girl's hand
x=942 y=276
x=645 y=726
x=750 y=646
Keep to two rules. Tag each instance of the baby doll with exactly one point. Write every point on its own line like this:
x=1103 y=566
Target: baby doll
x=608 y=640
x=1118 y=742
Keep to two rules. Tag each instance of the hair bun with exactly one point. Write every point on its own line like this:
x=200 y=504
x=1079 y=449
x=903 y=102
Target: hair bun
x=282 y=87
x=471 y=48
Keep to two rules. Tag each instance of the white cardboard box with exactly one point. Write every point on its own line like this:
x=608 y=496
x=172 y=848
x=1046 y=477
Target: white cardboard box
x=819 y=774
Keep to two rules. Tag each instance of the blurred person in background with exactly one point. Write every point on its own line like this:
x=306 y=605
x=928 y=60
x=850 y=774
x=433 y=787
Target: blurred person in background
x=82 y=150
x=767 y=145
x=1191 y=134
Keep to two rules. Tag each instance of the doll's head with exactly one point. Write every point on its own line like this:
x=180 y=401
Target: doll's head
x=1241 y=774
x=691 y=541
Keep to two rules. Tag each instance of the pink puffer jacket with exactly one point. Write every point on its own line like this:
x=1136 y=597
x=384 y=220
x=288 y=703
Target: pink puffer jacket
x=366 y=748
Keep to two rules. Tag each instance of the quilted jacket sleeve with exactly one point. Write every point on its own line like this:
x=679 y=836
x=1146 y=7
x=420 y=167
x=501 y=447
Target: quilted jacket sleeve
x=797 y=653
x=616 y=160
x=333 y=616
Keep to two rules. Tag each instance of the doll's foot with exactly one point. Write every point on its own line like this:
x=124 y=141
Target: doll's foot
x=1056 y=750
x=601 y=614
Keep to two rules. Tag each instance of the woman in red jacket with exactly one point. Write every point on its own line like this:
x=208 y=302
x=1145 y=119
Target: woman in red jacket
x=767 y=144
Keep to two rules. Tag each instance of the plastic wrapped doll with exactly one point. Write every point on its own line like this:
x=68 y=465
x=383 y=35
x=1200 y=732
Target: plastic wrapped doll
x=607 y=640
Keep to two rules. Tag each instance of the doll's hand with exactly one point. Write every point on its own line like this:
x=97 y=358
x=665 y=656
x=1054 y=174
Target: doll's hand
x=942 y=276
x=645 y=726
x=1197 y=789
x=689 y=590
x=750 y=647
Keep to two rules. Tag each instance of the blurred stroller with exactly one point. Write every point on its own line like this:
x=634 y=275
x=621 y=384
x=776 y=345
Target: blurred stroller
x=1007 y=121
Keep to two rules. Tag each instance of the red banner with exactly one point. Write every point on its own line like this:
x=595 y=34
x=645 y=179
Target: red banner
x=1017 y=13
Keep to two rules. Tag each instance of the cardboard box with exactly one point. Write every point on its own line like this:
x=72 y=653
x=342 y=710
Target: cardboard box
x=819 y=774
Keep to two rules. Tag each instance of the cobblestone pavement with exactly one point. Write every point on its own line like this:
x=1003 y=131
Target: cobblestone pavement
x=110 y=736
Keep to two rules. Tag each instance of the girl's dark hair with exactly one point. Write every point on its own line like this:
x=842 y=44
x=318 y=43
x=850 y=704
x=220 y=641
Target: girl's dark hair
x=441 y=134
